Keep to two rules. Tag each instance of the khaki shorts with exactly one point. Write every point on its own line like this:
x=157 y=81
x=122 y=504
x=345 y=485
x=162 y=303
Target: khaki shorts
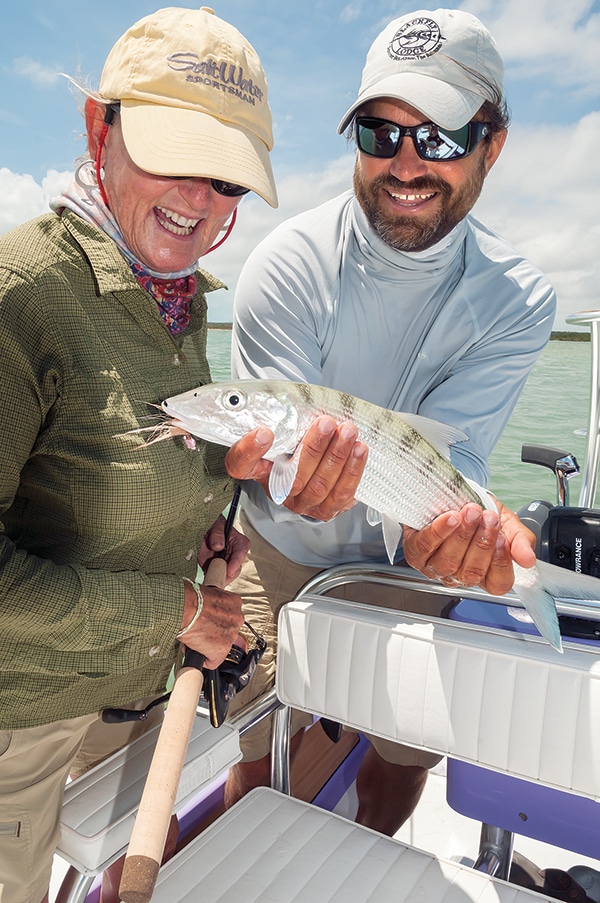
x=34 y=766
x=269 y=580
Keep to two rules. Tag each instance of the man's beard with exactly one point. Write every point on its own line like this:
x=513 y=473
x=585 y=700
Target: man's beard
x=417 y=233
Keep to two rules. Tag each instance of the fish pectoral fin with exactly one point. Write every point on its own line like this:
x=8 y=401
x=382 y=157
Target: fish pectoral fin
x=282 y=476
x=392 y=536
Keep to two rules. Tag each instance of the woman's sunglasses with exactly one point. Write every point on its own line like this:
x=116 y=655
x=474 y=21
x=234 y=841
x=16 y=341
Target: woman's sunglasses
x=228 y=189
x=380 y=138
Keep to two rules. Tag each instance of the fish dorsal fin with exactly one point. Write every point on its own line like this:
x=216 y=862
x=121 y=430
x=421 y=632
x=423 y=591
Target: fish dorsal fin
x=440 y=435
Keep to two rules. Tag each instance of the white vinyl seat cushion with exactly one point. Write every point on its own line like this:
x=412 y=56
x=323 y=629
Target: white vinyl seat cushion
x=99 y=808
x=503 y=700
x=508 y=702
x=270 y=848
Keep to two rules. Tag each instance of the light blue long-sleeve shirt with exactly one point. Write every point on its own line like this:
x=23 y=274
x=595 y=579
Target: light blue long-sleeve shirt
x=450 y=333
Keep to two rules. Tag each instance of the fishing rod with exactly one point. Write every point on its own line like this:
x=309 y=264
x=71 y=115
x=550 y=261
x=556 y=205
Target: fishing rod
x=147 y=843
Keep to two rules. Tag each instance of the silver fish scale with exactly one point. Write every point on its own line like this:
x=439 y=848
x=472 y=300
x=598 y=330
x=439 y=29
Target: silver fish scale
x=405 y=478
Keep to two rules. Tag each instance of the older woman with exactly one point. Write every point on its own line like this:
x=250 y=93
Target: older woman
x=102 y=314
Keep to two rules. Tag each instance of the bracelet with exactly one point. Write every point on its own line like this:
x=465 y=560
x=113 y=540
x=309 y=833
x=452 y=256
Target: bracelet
x=198 y=612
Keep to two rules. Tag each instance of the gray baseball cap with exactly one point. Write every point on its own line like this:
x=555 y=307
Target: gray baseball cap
x=444 y=63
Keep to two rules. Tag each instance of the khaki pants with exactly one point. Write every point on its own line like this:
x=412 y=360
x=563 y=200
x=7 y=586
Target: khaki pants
x=269 y=580
x=34 y=766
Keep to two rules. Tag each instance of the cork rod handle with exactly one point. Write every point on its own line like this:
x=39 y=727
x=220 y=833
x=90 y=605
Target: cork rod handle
x=146 y=847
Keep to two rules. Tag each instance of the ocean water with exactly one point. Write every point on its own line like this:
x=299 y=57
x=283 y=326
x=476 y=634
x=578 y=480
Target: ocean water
x=551 y=410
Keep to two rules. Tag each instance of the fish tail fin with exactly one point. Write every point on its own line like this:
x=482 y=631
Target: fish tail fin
x=542 y=608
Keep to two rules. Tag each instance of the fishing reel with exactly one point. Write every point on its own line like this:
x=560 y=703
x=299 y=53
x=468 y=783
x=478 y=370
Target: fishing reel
x=219 y=687
x=232 y=675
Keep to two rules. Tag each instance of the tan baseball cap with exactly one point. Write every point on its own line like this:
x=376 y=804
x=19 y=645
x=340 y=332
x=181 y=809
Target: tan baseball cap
x=443 y=62
x=194 y=99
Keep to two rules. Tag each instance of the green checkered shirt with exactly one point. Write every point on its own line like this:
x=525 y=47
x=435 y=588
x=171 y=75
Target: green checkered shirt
x=96 y=529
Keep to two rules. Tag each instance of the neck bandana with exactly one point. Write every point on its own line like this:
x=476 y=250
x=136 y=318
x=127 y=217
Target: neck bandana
x=173 y=292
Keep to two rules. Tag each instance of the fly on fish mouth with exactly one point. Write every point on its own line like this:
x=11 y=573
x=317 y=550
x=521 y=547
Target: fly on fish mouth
x=166 y=428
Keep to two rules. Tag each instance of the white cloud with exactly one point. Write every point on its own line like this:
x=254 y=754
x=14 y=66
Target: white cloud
x=546 y=37
x=542 y=196
x=351 y=12
x=23 y=198
x=41 y=75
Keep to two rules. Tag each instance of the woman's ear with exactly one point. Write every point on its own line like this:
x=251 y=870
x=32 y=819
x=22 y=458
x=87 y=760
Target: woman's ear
x=94 y=112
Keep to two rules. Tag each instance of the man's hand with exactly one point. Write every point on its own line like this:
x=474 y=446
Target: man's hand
x=330 y=467
x=472 y=547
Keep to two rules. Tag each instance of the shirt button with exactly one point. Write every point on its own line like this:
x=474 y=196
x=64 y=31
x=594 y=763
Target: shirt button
x=189 y=554
x=176 y=359
x=154 y=650
x=208 y=498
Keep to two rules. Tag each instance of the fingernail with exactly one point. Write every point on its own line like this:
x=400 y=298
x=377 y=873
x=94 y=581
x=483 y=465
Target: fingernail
x=453 y=521
x=348 y=431
x=472 y=515
x=326 y=427
x=360 y=450
x=500 y=542
x=262 y=437
x=490 y=519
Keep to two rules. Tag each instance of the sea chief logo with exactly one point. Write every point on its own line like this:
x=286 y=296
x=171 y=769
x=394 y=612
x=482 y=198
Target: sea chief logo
x=416 y=40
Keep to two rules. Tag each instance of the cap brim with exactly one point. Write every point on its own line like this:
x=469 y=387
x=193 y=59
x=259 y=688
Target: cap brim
x=171 y=141
x=447 y=105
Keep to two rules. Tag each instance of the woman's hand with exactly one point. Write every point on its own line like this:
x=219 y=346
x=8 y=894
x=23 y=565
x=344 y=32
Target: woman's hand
x=214 y=543
x=218 y=625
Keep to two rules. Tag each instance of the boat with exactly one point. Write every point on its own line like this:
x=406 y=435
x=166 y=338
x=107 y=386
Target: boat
x=494 y=812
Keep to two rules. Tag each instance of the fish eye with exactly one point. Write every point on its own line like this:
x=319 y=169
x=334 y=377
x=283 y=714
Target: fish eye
x=234 y=400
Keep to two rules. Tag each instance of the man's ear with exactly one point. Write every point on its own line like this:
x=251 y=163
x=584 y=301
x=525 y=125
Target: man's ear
x=493 y=149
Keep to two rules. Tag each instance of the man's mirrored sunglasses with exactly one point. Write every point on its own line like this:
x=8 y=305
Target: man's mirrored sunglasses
x=380 y=138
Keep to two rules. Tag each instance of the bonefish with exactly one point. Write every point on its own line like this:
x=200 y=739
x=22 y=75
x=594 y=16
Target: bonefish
x=408 y=478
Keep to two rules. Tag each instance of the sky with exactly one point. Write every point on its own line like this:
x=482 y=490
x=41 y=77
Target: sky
x=542 y=195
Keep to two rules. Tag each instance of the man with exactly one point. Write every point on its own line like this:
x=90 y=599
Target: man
x=396 y=294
